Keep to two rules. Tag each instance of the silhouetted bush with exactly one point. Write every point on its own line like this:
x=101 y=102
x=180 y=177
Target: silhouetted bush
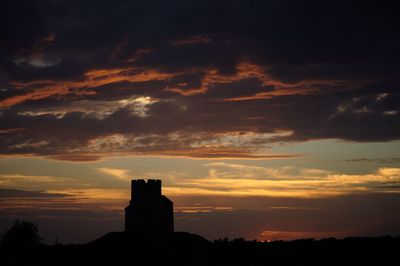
x=21 y=235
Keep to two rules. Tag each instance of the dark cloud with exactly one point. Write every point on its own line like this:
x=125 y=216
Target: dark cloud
x=70 y=73
x=393 y=160
x=15 y=193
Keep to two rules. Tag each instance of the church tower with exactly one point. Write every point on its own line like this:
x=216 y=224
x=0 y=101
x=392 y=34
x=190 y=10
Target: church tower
x=148 y=210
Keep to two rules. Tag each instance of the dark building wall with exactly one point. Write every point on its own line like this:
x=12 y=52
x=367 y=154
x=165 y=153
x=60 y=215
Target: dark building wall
x=148 y=210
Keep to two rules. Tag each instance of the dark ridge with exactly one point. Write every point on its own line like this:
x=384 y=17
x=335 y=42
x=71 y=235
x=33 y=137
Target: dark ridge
x=132 y=239
x=126 y=248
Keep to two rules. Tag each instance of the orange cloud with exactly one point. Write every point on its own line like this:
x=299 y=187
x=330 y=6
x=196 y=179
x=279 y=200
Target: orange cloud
x=195 y=154
x=269 y=235
x=179 y=88
x=198 y=39
x=220 y=153
x=47 y=91
x=200 y=209
x=246 y=70
x=49 y=38
x=92 y=78
x=271 y=94
x=244 y=180
x=121 y=174
x=11 y=130
x=236 y=145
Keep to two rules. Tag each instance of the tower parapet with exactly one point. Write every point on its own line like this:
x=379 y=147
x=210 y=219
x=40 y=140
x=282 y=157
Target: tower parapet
x=142 y=191
x=148 y=209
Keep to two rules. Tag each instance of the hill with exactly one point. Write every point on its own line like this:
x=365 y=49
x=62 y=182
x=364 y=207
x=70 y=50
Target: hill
x=120 y=248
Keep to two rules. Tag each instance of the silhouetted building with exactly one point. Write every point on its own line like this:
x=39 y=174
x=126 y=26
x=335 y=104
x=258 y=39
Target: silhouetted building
x=149 y=211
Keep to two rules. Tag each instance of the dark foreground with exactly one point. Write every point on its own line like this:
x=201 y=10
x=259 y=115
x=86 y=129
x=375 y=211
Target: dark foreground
x=188 y=249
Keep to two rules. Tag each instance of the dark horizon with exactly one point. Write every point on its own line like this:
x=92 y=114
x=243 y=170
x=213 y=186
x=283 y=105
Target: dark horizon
x=74 y=227
x=21 y=246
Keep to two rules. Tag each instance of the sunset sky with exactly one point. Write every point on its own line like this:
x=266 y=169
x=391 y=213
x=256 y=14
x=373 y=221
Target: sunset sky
x=263 y=119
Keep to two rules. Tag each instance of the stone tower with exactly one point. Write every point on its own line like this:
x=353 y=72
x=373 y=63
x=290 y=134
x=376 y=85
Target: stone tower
x=149 y=211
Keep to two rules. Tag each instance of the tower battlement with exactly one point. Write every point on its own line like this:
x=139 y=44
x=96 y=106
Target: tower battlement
x=145 y=191
x=148 y=209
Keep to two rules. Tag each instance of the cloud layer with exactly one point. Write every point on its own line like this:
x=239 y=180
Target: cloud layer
x=79 y=81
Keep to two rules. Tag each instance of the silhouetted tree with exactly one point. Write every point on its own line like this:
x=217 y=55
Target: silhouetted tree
x=21 y=235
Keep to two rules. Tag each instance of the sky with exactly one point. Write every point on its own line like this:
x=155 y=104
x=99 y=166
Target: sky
x=263 y=119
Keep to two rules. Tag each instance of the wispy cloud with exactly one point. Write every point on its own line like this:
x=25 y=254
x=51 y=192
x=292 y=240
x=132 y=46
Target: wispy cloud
x=121 y=174
x=91 y=79
x=35 y=182
x=243 y=180
x=191 y=40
